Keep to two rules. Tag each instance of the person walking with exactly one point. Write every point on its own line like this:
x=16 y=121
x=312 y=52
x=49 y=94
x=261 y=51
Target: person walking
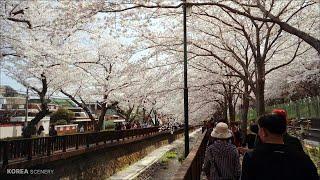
x=40 y=132
x=272 y=158
x=252 y=136
x=52 y=131
x=81 y=130
x=221 y=160
x=291 y=141
x=251 y=139
x=236 y=140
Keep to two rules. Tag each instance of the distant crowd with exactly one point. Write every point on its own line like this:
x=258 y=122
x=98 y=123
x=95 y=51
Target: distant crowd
x=118 y=126
x=269 y=152
x=131 y=125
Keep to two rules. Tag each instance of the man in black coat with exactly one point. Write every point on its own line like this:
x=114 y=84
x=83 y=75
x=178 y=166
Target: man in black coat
x=293 y=142
x=273 y=159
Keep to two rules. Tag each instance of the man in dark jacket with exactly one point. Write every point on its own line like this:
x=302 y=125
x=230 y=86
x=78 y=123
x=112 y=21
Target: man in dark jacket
x=293 y=142
x=273 y=159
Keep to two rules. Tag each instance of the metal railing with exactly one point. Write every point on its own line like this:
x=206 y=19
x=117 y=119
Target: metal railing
x=191 y=167
x=28 y=148
x=302 y=108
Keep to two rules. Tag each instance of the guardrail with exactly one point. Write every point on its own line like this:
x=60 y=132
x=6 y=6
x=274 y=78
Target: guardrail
x=192 y=166
x=27 y=148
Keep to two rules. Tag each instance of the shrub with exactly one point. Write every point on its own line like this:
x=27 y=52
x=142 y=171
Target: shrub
x=167 y=156
x=109 y=125
x=171 y=155
x=62 y=114
x=314 y=153
x=61 y=122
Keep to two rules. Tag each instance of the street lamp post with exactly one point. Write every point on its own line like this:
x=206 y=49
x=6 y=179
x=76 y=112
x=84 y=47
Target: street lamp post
x=185 y=89
x=27 y=104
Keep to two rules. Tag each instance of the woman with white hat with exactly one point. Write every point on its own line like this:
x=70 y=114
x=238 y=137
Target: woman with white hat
x=221 y=161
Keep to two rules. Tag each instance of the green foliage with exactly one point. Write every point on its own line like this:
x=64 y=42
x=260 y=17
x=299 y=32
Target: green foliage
x=314 y=153
x=109 y=125
x=307 y=108
x=62 y=114
x=61 y=122
x=164 y=161
x=171 y=155
x=166 y=157
x=63 y=102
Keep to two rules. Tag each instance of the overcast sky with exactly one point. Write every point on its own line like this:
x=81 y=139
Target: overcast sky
x=5 y=80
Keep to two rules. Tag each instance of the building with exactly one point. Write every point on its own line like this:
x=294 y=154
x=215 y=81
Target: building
x=82 y=119
x=9 y=96
x=45 y=122
x=2 y=101
x=95 y=108
x=66 y=129
x=11 y=103
x=61 y=102
x=15 y=126
x=7 y=91
x=10 y=130
x=111 y=117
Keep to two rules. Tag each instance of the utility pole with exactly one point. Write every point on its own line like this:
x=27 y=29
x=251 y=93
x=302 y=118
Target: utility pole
x=27 y=103
x=185 y=89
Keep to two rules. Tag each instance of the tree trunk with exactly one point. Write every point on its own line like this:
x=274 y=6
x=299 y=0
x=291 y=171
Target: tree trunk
x=260 y=85
x=82 y=105
x=231 y=108
x=30 y=128
x=104 y=108
x=312 y=41
x=149 y=116
x=225 y=109
x=155 y=118
x=127 y=117
x=128 y=114
x=101 y=116
x=144 y=115
x=87 y=110
x=244 y=114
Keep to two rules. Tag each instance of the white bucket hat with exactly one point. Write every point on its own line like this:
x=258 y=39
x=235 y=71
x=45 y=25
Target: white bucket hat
x=221 y=131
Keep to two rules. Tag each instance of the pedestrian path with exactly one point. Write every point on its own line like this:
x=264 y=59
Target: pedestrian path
x=311 y=142
x=137 y=168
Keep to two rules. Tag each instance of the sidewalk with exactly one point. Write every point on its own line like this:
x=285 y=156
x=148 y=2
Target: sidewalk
x=137 y=168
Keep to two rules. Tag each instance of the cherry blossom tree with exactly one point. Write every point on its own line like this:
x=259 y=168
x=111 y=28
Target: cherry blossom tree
x=31 y=48
x=110 y=50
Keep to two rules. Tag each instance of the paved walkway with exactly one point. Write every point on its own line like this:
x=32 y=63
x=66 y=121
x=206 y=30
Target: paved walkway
x=137 y=168
x=311 y=142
